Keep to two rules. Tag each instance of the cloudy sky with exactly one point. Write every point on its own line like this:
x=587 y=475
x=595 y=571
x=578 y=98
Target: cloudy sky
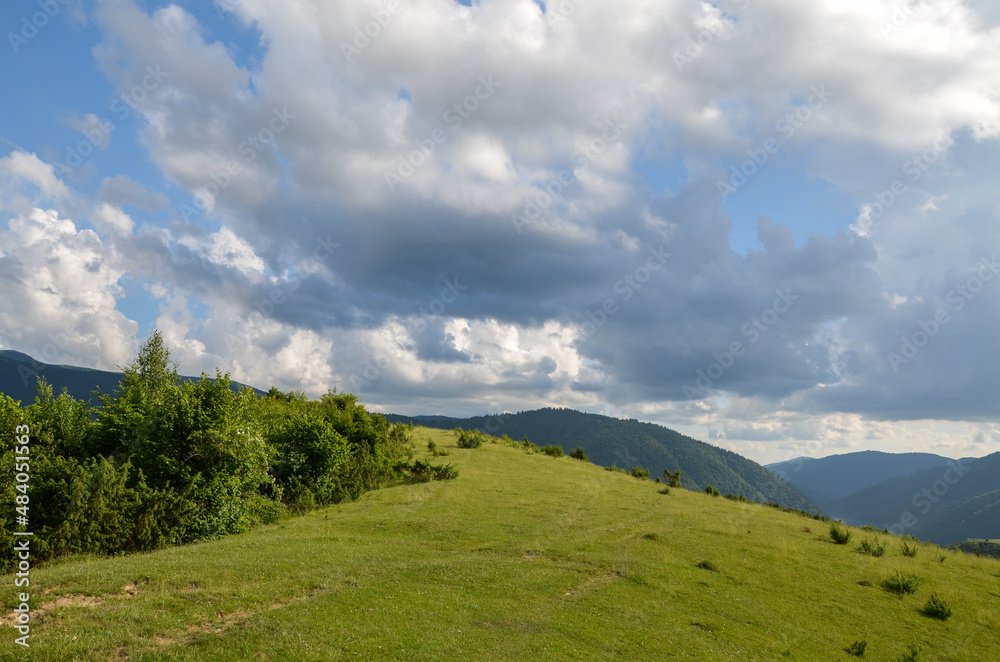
x=770 y=224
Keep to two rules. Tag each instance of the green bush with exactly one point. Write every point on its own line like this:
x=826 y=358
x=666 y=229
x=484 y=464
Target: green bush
x=913 y=655
x=672 y=479
x=529 y=447
x=712 y=491
x=665 y=490
x=901 y=585
x=579 y=454
x=639 y=472
x=872 y=547
x=552 y=450
x=839 y=535
x=470 y=438
x=907 y=549
x=615 y=468
x=858 y=648
x=937 y=608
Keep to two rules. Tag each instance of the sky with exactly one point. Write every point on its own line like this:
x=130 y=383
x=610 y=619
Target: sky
x=769 y=224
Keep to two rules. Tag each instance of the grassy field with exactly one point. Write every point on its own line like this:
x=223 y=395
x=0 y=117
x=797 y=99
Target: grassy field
x=523 y=557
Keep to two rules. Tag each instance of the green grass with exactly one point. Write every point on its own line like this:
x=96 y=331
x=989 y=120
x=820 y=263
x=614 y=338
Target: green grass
x=522 y=557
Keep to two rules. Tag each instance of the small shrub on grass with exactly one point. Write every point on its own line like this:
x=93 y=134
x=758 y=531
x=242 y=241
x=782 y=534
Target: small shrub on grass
x=734 y=497
x=868 y=527
x=711 y=490
x=872 y=547
x=665 y=490
x=707 y=565
x=579 y=454
x=530 y=447
x=858 y=648
x=470 y=438
x=672 y=479
x=639 y=472
x=839 y=534
x=901 y=585
x=652 y=536
x=908 y=549
x=913 y=655
x=614 y=468
x=434 y=450
x=943 y=557
x=937 y=608
x=552 y=450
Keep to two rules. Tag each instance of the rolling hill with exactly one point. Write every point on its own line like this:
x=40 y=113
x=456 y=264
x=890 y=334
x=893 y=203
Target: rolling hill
x=522 y=557
x=834 y=477
x=629 y=443
x=943 y=505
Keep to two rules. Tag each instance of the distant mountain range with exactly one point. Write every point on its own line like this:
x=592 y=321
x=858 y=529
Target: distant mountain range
x=929 y=496
x=19 y=373
x=629 y=443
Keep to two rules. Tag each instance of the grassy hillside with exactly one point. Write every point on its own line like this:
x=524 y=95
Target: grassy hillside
x=628 y=443
x=953 y=508
x=522 y=557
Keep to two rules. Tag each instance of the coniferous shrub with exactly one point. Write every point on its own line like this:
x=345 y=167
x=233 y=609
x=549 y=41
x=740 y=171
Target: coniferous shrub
x=470 y=438
x=872 y=547
x=615 y=468
x=912 y=655
x=579 y=454
x=858 y=648
x=712 y=491
x=937 y=608
x=907 y=549
x=839 y=534
x=639 y=472
x=672 y=479
x=900 y=584
x=553 y=450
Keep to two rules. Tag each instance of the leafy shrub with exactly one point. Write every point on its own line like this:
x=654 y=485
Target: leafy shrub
x=872 y=547
x=937 y=608
x=913 y=655
x=553 y=450
x=672 y=479
x=579 y=454
x=907 y=549
x=639 y=472
x=839 y=534
x=470 y=438
x=858 y=648
x=901 y=585
x=711 y=490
